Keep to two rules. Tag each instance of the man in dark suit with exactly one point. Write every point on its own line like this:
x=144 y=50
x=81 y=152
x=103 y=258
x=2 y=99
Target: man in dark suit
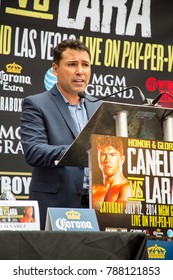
x=50 y=122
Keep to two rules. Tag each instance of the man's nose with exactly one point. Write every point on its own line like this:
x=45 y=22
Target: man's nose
x=79 y=69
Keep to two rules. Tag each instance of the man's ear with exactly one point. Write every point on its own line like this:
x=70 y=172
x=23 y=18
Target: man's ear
x=55 y=69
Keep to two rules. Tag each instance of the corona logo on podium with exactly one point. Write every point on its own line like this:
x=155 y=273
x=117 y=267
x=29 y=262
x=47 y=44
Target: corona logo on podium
x=14 y=68
x=66 y=219
x=73 y=221
x=156 y=252
x=73 y=215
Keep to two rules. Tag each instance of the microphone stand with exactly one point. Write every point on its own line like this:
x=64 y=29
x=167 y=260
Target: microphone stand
x=144 y=100
x=159 y=96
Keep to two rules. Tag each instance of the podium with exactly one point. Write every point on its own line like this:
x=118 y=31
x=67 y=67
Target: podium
x=120 y=119
x=149 y=207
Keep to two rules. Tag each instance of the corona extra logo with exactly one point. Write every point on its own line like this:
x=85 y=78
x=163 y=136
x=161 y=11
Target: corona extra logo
x=156 y=252
x=14 y=68
x=73 y=215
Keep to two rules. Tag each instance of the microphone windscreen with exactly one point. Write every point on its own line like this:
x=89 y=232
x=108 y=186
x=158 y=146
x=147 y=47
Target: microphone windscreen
x=81 y=94
x=156 y=99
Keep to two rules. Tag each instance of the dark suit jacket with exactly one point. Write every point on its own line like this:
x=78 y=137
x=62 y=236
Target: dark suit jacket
x=47 y=130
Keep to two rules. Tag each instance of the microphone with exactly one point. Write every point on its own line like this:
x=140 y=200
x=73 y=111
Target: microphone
x=159 y=96
x=144 y=100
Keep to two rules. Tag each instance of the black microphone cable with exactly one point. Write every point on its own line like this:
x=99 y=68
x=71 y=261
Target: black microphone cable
x=159 y=96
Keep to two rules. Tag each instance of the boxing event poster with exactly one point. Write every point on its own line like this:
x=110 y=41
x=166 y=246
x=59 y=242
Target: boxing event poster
x=148 y=167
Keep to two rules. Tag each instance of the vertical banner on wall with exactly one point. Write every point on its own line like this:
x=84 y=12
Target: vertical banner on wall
x=130 y=42
x=132 y=186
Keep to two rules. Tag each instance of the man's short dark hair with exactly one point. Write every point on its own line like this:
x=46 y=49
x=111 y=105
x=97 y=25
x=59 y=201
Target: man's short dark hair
x=71 y=44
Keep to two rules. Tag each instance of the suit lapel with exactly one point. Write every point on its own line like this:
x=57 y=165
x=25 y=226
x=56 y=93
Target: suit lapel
x=63 y=109
x=91 y=107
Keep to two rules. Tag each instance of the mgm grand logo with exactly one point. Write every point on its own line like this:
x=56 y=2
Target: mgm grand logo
x=156 y=252
x=73 y=222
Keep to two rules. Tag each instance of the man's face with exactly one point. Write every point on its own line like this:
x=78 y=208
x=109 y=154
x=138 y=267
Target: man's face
x=110 y=160
x=73 y=71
